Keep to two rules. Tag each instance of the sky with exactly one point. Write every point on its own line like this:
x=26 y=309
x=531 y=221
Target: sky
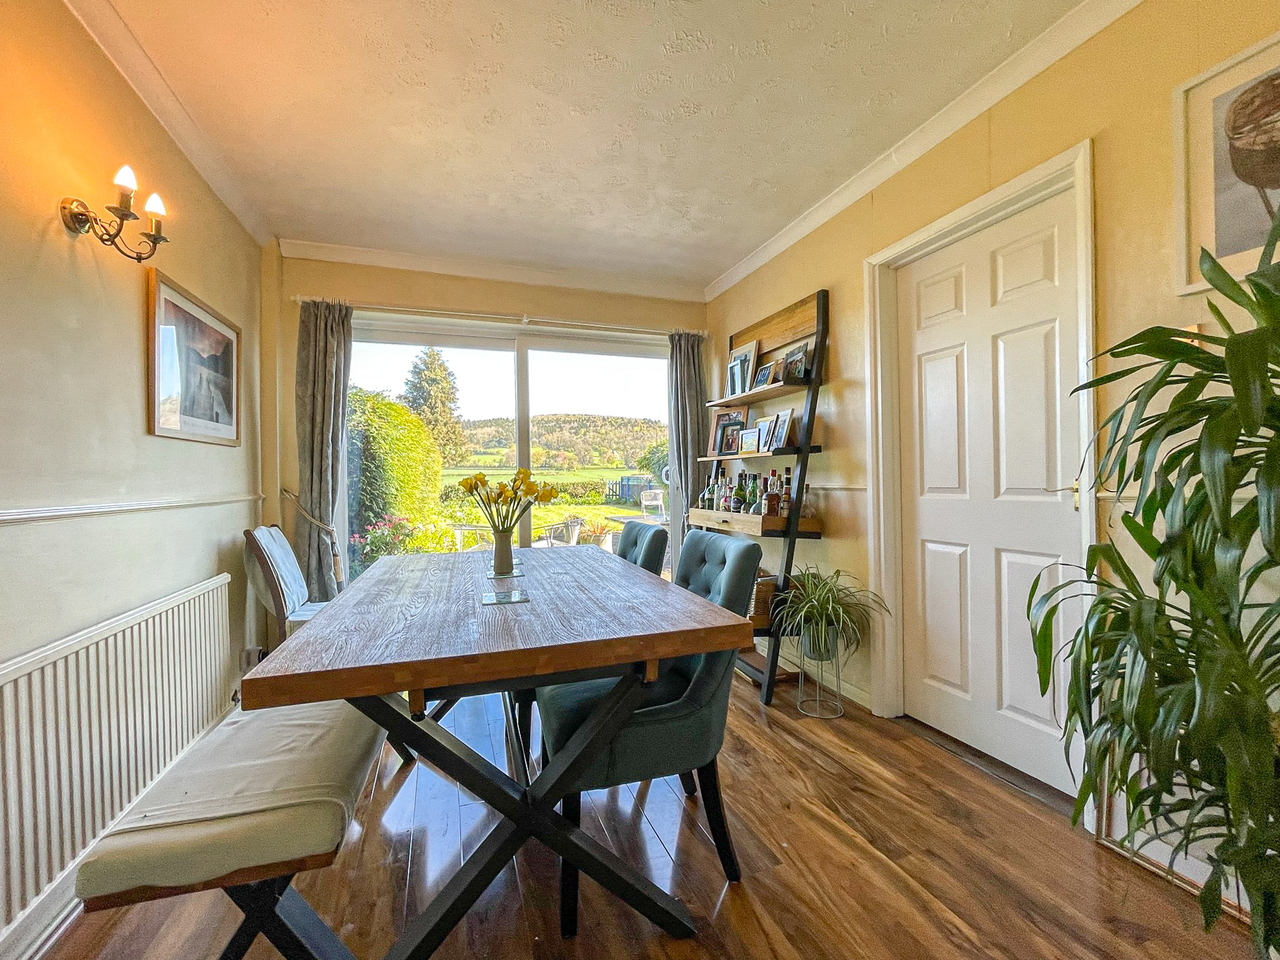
x=558 y=382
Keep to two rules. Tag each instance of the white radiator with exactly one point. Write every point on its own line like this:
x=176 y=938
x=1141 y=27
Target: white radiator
x=87 y=724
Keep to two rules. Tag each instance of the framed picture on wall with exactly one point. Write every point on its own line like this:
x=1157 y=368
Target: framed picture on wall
x=745 y=358
x=1227 y=162
x=193 y=367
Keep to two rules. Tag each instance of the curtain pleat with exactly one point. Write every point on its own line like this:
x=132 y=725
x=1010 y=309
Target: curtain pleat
x=324 y=365
x=687 y=390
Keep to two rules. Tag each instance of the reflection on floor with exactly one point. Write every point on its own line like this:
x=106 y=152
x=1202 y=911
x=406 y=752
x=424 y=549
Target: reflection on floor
x=858 y=838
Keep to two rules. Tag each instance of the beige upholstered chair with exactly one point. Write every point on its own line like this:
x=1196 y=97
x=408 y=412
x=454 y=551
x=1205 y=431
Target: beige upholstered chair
x=277 y=579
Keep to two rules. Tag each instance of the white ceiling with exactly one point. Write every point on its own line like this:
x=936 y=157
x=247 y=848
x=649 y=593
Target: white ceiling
x=654 y=142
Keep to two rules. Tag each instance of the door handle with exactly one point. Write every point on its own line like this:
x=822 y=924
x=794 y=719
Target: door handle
x=1075 y=493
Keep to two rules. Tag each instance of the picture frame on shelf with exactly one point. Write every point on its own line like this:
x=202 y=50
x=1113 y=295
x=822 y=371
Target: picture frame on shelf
x=765 y=427
x=727 y=436
x=781 y=429
x=748 y=441
x=796 y=363
x=746 y=354
x=764 y=375
x=720 y=418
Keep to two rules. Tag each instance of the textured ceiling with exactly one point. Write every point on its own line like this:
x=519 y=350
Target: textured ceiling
x=660 y=139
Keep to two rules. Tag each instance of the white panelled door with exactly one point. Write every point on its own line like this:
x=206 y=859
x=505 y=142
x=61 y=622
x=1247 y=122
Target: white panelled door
x=989 y=352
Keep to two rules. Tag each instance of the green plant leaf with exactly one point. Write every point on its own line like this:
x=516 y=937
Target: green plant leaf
x=1224 y=282
x=1247 y=364
x=1217 y=448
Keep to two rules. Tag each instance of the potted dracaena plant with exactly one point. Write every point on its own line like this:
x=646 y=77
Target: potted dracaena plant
x=503 y=505
x=1175 y=671
x=830 y=614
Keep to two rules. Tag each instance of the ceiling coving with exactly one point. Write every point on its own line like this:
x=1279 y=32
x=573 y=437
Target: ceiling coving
x=658 y=140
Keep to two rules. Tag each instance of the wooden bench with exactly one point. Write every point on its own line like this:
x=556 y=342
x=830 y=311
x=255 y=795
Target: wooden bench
x=264 y=795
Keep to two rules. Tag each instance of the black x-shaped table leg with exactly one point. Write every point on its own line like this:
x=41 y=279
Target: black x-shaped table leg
x=528 y=812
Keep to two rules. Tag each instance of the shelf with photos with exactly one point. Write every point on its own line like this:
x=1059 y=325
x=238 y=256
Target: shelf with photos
x=734 y=433
x=789 y=451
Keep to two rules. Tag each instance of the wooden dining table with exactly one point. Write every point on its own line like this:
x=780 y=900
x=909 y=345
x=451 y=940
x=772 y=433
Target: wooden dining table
x=420 y=624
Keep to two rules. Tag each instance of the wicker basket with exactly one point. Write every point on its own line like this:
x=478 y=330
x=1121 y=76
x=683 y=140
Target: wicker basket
x=762 y=598
x=1253 y=134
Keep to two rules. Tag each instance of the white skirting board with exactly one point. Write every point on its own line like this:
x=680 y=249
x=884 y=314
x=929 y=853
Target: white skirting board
x=86 y=725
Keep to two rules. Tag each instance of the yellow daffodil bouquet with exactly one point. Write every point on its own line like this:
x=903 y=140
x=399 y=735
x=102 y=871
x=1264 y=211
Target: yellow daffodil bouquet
x=504 y=504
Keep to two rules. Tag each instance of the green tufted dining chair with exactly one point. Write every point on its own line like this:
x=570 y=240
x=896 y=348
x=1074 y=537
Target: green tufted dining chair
x=644 y=544
x=679 y=727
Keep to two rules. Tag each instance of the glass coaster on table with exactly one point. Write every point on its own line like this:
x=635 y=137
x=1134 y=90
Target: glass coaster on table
x=504 y=597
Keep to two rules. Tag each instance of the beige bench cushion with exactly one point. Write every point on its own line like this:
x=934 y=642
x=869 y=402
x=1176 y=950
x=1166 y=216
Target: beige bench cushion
x=263 y=787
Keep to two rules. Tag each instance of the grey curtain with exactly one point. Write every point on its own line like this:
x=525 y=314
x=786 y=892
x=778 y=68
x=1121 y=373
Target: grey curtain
x=324 y=365
x=687 y=395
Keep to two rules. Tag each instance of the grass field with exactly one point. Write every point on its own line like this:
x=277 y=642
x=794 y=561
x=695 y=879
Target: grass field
x=454 y=474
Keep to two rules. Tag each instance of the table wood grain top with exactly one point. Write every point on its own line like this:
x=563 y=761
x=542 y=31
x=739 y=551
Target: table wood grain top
x=417 y=622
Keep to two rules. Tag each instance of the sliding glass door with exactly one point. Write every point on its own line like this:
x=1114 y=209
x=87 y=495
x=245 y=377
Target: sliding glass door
x=432 y=402
x=419 y=418
x=598 y=431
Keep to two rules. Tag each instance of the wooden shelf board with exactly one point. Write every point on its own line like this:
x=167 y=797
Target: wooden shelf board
x=776 y=452
x=756 y=661
x=753 y=525
x=767 y=392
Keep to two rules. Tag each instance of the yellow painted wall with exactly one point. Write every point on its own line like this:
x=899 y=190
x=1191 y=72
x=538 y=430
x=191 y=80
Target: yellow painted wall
x=73 y=377
x=1116 y=89
x=413 y=290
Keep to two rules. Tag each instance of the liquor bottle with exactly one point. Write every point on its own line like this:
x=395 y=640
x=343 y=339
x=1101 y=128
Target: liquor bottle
x=772 y=495
x=739 y=497
x=753 y=494
x=807 y=508
x=784 y=506
x=726 y=494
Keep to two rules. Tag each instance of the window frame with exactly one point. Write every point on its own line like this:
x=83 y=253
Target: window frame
x=442 y=330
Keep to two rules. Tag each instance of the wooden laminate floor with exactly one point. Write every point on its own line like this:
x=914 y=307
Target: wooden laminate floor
x=858 y=838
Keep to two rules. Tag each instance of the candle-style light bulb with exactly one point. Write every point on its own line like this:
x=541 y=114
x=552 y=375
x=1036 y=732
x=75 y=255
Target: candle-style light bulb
x=155 y=209
x=125 y=179
x=126 y=183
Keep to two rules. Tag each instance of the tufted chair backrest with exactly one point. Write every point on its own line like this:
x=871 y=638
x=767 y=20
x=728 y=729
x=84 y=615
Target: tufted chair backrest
x=720 y=568
x=644 y=544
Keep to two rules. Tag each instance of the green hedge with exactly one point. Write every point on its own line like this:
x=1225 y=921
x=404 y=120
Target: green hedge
x=393 y=463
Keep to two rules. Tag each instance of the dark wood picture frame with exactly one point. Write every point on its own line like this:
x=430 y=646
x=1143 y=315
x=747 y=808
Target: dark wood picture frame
x=157 y=285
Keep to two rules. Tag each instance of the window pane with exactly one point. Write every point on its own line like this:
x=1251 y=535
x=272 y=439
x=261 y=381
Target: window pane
x=599 y=434
x=418 y=420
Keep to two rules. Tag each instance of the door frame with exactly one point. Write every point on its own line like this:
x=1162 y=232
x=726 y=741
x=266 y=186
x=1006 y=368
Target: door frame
x=1072 y=169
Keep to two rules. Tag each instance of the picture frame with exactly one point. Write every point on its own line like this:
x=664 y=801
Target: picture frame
x=781 y=429
x=727 y=437
x=720 y=418
x=796 y=363
x=1226 y=182
x=746 y=354
x=764 y=375
x=748 y=441
x=193 y=364
x=765 y=427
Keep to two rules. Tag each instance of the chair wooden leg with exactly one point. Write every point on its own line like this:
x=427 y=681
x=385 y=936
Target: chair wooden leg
x=689 y=784
x=709 y=781
x=571 y=808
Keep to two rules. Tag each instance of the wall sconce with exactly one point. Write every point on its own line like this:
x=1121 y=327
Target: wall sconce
x=78 y=218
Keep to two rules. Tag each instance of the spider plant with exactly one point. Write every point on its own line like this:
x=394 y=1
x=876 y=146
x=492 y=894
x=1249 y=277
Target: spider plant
x=826 y=613
x=1175 y=667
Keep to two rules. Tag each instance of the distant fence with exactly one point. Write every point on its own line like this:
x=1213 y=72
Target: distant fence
x=627 y=489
